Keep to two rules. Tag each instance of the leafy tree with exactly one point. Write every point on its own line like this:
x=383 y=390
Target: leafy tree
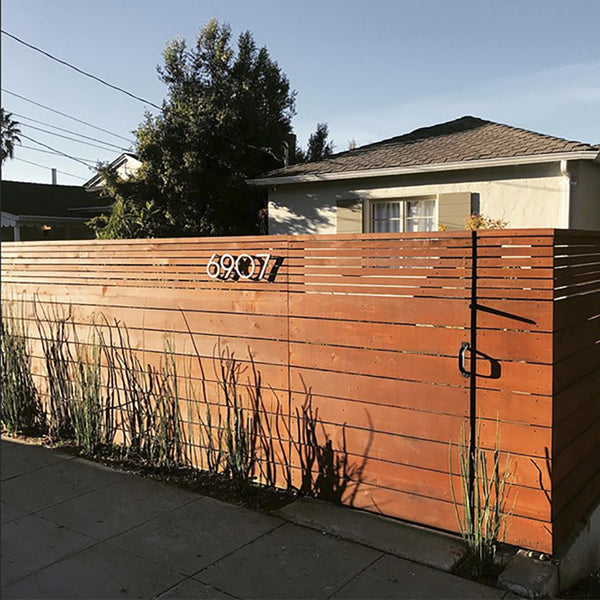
x=9 y=134
x=318 y=146
x=225 y=119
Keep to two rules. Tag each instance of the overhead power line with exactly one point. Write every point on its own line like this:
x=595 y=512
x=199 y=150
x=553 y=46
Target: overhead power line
x=87 y=137
x=30 y=162
x=88 y=161
x=66 y=115
x=81 y=71
x=67 y=137
x=82 y=161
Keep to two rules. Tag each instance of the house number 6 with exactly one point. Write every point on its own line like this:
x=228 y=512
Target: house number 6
x=243 y=265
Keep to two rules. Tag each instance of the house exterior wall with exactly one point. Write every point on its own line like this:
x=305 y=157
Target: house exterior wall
x=523 y=196
x=129 y=167
x=585 y=194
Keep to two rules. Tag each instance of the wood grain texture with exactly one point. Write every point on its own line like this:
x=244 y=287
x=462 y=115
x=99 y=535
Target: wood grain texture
x=368 y=327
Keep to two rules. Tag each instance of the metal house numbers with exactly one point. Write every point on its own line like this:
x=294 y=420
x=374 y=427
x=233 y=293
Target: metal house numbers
x=241 y=266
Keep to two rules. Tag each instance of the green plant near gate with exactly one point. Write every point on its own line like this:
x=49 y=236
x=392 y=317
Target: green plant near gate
x=483 y=519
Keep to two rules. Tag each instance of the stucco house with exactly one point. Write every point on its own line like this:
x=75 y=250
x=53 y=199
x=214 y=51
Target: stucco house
x=434 y=177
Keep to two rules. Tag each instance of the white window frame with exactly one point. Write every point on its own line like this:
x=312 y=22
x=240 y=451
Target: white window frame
x=402 y=203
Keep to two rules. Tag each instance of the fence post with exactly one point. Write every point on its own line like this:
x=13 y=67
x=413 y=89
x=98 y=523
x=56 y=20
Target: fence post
x=473 y=375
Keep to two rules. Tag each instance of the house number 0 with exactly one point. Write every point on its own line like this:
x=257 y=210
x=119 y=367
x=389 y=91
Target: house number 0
x=244 y=266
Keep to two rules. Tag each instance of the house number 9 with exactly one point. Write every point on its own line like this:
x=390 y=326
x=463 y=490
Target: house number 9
x=244 y=266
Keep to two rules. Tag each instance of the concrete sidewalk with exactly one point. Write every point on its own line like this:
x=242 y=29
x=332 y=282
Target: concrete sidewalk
x=75 y=529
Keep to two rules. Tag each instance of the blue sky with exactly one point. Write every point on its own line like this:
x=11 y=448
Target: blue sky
x=371 y=70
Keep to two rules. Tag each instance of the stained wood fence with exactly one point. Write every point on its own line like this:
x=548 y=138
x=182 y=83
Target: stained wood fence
x=370 y=327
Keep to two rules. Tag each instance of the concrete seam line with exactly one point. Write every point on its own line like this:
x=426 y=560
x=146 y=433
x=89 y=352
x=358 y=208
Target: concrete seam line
x=235 y=550
x=357 y=575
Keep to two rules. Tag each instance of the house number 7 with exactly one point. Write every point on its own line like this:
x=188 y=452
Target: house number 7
x=244 y=266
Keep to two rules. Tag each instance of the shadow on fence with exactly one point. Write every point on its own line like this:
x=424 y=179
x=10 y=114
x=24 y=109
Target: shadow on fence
x=102 y=395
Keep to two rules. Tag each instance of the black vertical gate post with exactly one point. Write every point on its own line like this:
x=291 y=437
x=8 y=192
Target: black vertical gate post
x=473 y=378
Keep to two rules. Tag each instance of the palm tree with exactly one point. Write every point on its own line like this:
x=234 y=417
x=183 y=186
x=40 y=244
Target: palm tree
x=9 y=134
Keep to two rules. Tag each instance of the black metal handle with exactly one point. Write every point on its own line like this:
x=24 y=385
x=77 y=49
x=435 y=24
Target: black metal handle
x=462 y=359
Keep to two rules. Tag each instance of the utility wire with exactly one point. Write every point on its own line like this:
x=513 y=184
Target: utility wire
x=66 y=137
x=87 y=137
x=30 y=162
x=82 y=72
x=66 y=115
x=86 y=160
x=268 y=151
x=55 y=150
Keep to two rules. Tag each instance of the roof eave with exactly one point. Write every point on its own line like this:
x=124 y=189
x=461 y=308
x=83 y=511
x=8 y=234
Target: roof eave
x=428 y=168
x=34 y=219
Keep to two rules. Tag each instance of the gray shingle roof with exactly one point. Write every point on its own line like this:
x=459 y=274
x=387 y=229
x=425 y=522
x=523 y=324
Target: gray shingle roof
x=461 y=140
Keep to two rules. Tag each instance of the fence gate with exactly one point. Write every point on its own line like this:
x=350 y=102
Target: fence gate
x=376 y=324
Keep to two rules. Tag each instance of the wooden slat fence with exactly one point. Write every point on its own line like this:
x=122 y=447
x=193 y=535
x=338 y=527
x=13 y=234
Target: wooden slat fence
x=368 y=327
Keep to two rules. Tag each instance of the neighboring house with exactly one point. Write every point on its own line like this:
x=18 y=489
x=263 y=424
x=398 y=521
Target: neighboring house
x=125 y=165
x=434 y=177
x=36 y=211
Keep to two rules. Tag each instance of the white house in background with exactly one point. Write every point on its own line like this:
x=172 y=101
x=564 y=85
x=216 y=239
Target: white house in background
x=434 y=177
x=125 y=165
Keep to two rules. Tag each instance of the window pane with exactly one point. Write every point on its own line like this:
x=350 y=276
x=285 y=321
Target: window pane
x=428 y=208
x=420 y=215
x=402 y=215
x=385 y=217
x=385 y=226
x=413 y=209
x=379 y=211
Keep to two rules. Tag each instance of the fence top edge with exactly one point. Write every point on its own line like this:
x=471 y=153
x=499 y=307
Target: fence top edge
x=283 y=238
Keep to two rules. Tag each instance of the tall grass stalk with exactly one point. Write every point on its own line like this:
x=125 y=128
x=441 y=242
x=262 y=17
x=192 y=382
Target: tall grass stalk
x=20 y=406
x=483 y=520
x=53 y=328
x=86 y=402
x=148 y=401
x=102 y=393
x=169 y=443
x=240 y=429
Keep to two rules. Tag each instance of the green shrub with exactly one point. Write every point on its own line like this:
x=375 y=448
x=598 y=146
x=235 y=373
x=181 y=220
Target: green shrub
x=20 y=407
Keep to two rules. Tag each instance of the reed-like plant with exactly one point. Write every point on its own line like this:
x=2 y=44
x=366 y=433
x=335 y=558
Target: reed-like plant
x=86 y=408
x=240 y=424
x=147 y=406
x=101 y=393
x=168 y=444
x=240 y=442
x=20 y=406
x=211 y=436
x=482 y=511
x=53 y=323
